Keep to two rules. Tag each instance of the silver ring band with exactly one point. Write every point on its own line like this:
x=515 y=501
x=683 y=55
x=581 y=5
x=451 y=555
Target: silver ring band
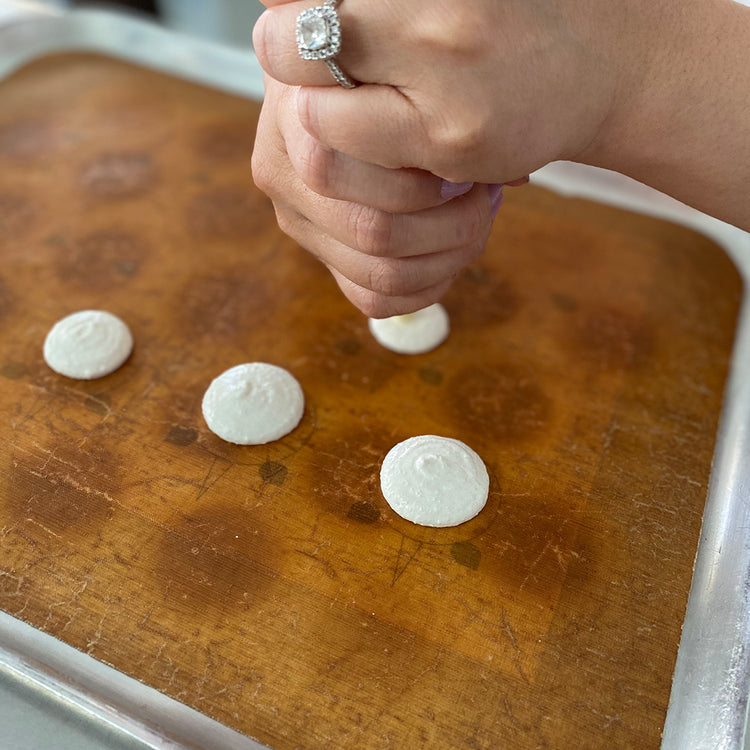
x=319 y=38
x=341 y=77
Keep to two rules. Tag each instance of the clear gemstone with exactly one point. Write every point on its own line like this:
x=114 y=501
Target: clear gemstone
x=314 y=32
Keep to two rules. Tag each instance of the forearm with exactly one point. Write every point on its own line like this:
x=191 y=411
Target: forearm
x=684 y=128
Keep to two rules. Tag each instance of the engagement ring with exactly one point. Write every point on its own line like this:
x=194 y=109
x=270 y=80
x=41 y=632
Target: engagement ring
x=319 y=38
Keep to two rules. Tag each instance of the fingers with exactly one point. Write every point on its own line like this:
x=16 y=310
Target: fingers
x=383 y=212
x=459 y=223
x=383 y=125
x=386 y=277
x=375 y=124
x=275 y=44
x=376 y=305
x=387 y=263
x=335 y=175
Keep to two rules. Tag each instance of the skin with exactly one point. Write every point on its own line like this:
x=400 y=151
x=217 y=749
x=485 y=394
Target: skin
x=486 y=92
x=389 y=239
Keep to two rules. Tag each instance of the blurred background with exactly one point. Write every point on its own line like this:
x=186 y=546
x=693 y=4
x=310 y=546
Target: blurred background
x=226 y=21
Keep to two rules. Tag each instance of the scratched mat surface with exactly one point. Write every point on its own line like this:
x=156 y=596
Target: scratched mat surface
x=271 y=587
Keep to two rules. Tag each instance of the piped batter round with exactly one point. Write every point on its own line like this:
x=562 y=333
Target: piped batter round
x=88 y=344
x=414 y=333
x=434 y=481
x=253 y=404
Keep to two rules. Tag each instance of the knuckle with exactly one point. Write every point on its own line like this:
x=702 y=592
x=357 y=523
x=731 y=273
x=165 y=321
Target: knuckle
x=459 y=139
x=371 y=229
x=387 y=278
x=371 y=304
x=286 y=221
x=459 y=39
x=262 y=172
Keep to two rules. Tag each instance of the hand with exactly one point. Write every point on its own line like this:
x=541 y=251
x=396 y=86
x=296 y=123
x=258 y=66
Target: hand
x=489 y=90
x=391 y=238
x=480 y=91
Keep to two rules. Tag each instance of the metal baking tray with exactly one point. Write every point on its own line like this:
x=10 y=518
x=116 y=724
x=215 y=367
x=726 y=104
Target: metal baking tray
x=709 y=700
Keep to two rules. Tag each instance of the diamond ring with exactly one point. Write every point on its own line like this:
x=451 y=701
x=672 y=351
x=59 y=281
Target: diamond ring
x=319 y=38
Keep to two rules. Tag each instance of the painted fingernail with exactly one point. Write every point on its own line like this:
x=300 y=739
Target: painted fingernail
x=496 y=198
x=450 y=190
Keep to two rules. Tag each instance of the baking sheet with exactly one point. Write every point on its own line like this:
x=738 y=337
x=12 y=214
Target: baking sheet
x=709 y=698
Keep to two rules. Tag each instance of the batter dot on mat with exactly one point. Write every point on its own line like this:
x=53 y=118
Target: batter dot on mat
x=253 y=404
x=88 y=344
x=415 y=333
x=434 y=481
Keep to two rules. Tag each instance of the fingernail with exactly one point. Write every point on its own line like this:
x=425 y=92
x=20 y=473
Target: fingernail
x=496 y=198
x=450 y=190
